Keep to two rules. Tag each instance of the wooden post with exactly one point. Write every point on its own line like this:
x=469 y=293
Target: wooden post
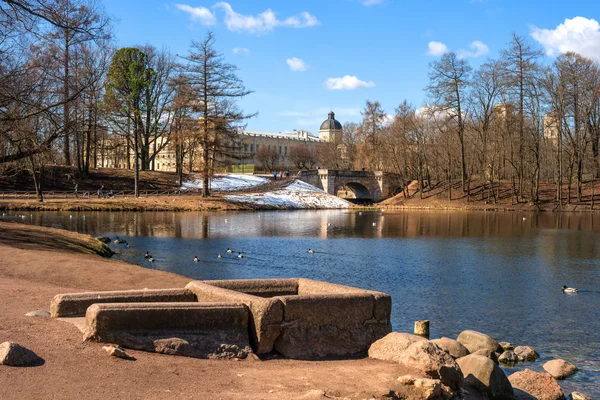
x=422 y=328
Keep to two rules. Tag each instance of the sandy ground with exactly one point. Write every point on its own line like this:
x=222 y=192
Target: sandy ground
x=37 y=263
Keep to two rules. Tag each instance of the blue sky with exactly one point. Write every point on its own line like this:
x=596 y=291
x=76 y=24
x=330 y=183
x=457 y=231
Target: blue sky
x=303 y=58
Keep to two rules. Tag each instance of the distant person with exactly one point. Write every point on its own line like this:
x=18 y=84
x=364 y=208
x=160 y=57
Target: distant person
x=76 y=190
x=280 y=174
x=110 y=194
x=275 y=175
x=287 y=173
x=102 y=192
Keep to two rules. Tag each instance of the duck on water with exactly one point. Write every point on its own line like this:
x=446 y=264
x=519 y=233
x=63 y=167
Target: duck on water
x=566 y=289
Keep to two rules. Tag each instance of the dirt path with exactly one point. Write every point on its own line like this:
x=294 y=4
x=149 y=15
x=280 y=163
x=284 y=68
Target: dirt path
x=37 y=263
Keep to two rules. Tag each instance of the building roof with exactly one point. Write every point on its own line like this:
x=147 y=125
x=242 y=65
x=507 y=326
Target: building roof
x=294 y=135
x=331 y=123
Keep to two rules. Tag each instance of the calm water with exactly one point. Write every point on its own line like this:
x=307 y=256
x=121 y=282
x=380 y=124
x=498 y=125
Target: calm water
x=499 y=273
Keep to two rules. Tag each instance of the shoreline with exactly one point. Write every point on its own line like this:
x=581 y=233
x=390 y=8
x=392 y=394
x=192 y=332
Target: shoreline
x=39 y=263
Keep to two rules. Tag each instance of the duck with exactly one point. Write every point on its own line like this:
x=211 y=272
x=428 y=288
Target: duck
x=196 y=259
x=118 y=240
x=151 y=259
x=240 y=255
x=566 y=289
x=229 y=250
x=311 y=251
x=127 y=245
x=219 y=256
x=147 y=255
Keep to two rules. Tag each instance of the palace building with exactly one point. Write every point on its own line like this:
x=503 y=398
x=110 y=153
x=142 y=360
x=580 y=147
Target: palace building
x=246 y=144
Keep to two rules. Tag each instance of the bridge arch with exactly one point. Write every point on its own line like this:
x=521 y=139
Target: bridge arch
x=354 y=191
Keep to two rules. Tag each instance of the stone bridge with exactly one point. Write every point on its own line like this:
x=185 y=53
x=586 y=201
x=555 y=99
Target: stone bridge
x=360 y=185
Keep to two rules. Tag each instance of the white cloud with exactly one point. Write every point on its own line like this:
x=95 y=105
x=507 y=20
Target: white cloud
x=296 y=64
x=263 y=22
x=580 y=34
x=478 y=49
x=369 y=3
x=347 y=82
x=200 y=14
x=436 y=48
x=240 y=50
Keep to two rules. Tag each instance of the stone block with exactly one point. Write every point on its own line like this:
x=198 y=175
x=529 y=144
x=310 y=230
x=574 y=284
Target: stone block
x=213 y=330
x=76 y=304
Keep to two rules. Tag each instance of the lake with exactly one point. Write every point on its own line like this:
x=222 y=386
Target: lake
x=498 y=273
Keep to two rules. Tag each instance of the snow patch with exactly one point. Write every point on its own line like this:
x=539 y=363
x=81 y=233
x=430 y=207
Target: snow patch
x=297 y=195
x=227 y=183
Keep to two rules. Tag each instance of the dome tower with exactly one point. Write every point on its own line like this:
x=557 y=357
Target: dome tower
x=331 y=130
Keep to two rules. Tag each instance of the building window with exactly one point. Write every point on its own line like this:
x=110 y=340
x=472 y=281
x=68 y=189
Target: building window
x=285 y=150
x=279 y=149
x=251 y=148
x=157 y=166
x=257 y=146
x=245 y=148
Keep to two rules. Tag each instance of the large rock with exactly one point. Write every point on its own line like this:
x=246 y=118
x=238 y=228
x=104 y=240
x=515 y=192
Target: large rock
x=451 y=346
x=391 y=346
x=15 y=355
x=508 y=357
x=487 y=353
x=540 y=385
x=559 y=369
x=526 y=353
x=475 y=341
x=429 y=359
x=483 y=374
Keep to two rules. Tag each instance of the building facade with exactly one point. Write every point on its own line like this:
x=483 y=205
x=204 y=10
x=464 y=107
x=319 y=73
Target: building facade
x=244 y=148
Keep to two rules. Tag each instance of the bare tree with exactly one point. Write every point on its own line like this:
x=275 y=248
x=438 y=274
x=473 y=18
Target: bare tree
x=214 y=88
x=267 y=157
x=448 y=83
x=303 y=156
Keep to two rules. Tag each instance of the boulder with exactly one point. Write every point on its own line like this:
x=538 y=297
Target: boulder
x=391 y=346
x=429 y=359
x=430 y=388
x=540 y=385
x=483 y=374
x=451 y=346
x=103 y=239
x=488 y=353
x=118 y=351
x=508 y=357
x=526 y=353
x=580 y=396
x=559 y=369
x=15 y=355
x=506 y=346
x=474 y=341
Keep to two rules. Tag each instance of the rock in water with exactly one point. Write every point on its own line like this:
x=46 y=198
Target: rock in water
x=474 y=341
x=452 y=347
x=559 y=369
x=484 y=375
x=540 y=385
x=117 y=351
x=506 y=346
x=508 y=357
x=15 y=355
x=526 y=353
x=580 y=396
x=103 y=239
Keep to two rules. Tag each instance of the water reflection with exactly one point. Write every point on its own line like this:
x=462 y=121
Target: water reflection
x=496 y=272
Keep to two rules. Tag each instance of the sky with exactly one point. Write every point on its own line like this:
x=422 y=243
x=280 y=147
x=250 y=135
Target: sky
x=304 y=58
